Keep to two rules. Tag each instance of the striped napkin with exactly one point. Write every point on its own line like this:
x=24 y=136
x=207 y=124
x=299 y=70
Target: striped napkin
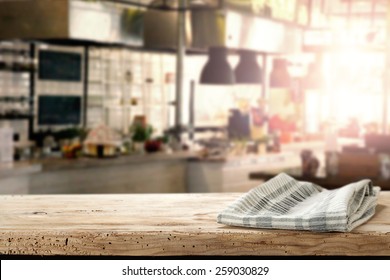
x=285 y=203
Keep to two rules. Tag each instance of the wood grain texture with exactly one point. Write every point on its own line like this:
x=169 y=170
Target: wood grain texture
x=165 y=225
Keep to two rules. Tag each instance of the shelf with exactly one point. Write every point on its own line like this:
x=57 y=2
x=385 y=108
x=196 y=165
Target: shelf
x=17 y=68
x=95 y=106
x=15 y=117
x=210 y=128
x=14 y=70
x=4 y=51
x=13 y=99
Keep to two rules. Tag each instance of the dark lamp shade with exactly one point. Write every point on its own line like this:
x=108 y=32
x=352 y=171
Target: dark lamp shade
x=217 y=70
x=280 y=78
x=248 y=70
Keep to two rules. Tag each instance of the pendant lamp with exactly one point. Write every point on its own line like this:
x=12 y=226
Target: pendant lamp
x=313 y=79
x=248 y=70
x=280 y=78
x=217 y=70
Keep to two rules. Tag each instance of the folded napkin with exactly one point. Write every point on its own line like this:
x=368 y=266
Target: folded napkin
x=285 y=203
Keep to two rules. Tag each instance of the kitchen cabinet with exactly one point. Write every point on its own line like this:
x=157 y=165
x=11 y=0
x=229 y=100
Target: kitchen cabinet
x=15 y=177
x=149 y=173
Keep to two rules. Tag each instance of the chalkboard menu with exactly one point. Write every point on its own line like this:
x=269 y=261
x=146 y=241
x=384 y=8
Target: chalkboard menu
x=59 y=110
x=59 y=66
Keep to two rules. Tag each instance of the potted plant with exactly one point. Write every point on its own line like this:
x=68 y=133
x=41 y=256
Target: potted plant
x=139 y=134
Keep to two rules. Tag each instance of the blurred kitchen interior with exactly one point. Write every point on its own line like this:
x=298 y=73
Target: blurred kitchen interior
x=142 y=96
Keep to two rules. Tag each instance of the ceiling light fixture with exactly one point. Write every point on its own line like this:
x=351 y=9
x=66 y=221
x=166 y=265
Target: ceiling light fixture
x=280 y=78
x=248 y=70
x=217 y=70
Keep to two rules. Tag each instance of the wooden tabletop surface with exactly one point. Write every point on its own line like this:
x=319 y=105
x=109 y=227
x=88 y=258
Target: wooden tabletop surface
x=165 y=225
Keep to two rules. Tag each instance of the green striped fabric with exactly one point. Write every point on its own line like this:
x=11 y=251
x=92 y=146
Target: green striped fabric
x=285 y=203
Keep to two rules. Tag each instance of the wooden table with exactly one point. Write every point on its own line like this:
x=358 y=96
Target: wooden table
x=165 y=225
x=321 y=179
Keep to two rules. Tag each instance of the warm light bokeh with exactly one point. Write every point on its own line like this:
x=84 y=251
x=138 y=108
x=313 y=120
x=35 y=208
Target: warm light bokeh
x=353 y=90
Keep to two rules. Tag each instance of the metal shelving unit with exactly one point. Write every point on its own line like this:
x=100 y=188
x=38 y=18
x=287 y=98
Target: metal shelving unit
x=16 y=89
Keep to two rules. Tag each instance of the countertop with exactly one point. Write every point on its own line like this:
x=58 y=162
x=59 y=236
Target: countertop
x=54 y=164
x=19 y=169
x=165 y=225
x=289 y=151
x=247 y=159
x=331 y=182
x=59 y=163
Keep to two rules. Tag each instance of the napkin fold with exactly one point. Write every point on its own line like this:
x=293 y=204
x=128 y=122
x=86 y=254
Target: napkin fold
x=285 y=203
